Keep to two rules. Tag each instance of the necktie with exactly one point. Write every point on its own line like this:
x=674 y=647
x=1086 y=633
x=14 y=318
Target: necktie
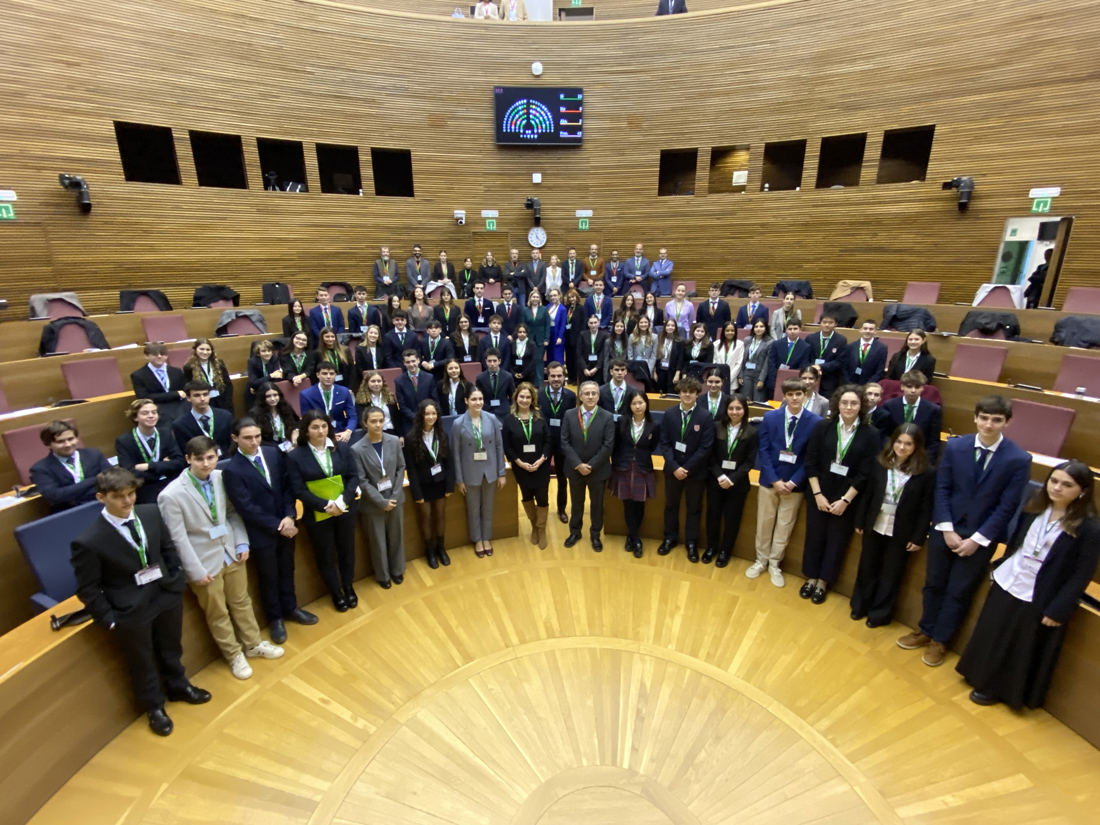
x=752 y=310
x=328 y=318
x=863 y=354
x=163 y=376
x=983 y=457
x=496 y=342
x=494 y=380
x=132 y=527
x=71 y=461
x=204 y=420
x=401 y=338
x=259 y=465
x=713 y=307
x=790 y=427
x=587 y=418
x=618 y=396
x=152 y=446
x=415 y=380
x=909 y=411
x=557 y=397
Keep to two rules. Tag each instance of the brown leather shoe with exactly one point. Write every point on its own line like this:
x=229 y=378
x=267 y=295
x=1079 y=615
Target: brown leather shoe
x=911 y=641
x=934 y=656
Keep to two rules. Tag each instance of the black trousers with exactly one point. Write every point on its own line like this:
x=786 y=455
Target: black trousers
x=534 y=485
x=694 y=488
x=727 y=506
x=949 y=586
x=274 y=560
x=333 y=543
x=663 y=379
x=152 y=650
x=633 y=513
x=578 y=486
x=563 y=481
x=827 y=538
x=881 y=570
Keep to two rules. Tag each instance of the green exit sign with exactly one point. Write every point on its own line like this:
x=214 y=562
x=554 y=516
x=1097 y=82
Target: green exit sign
x=490 y=225
x=1040 y=205
x=582 y=223
x=7 y=212
x=575 y=2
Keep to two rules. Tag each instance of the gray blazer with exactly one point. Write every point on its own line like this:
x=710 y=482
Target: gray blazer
x=595 y=450
x=371 y=472
x=187 y=517
x=411 y=271
x=640 y=352
x=463 y=445
x=763 y=355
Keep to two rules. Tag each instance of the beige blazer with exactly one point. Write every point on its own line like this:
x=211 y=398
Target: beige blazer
x=521 y=11
x=187 y=518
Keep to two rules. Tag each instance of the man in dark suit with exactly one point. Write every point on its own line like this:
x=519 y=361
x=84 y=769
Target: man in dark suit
x=325 y=315
x=149 y=450
x=362 y=314
x=129 y=577
x=496 y=385
x=510 y=312
x=599 y=304
x=257 y=484
x=672 y=7
x=496 y=339
x=829 y=353
x=867 y=356
x=517 y=276
x=413 y=386
x=435 y=350
x=636 y=271
x=572 y=271
x=877 y=417
x=159 y=382
x=616 y=394
x=479 y=309
x=715 y=401
x=385 y=275
x=614 y=276
x=790 y=351
x=536 y=273
x=202 y=419
x=555 y=402
x=397 y=340
x=336 y=401
x=714 y=312
x=753 y=311
x=911 y=408
x=66 y=477
x=587 y=439
x=979 y=484
x=687 y=435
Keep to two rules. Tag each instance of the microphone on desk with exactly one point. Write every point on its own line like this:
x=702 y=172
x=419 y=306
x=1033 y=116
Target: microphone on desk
x=69 y=619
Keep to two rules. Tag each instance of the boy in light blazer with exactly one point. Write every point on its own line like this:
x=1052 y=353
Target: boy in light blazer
x=213 y=547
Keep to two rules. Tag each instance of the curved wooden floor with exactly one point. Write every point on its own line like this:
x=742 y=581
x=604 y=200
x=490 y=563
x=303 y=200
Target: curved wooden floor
x=569 y=687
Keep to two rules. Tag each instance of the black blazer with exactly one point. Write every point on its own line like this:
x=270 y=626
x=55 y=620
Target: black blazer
x=267 y=430
x=449 y=321
x=345 y=377
x=56 y=484
x=186 y=427
x=392 y=347
x=706 y=353
x=873 y=368
x=719 y=411
x=925 y=363
x=396 y=420
x=260 y=505
x=523 y=369
x=503 y=344
x=1067 y=570
x=444 y=390
x=744 y=454
x=444 y=351
x=914 y=513
x=289 y=328
x=607 y=400
x=357 y=323
x=105 y=564
x=595 y=450
x=575 y=324
x=835 y=368
x=464 y=283
x=490 y=273
x=423 y=486
x=929 y=418
x=627 y=452
x=676 y=358
x=302 y=467
x=464 y=354
x=290 y=370
x=567 y=402
x=515 y=439
x=584 y=352
x=505 y=387
x=488 y=310
x=821 y=452
x=698 y=436
x=169 y=466
x=257 y=375
x=147 y=385
x=718 y=320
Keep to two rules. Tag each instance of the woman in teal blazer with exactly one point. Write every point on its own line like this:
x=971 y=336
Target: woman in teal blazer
x=538 y=331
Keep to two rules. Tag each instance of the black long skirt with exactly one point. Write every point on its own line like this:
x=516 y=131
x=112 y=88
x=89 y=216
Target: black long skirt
x=1012 y=654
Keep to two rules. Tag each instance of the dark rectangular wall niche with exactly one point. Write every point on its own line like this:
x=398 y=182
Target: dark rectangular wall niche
x=905 y=154
x=393 y=173
x=783 y=162
x=148 y=153
x=724 y=162
x=840 y=161
x=676 y=174
x=219 y=160
x=285 y=159
x=339 y=168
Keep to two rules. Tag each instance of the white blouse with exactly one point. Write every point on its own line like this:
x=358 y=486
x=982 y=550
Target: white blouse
x=1018 y=573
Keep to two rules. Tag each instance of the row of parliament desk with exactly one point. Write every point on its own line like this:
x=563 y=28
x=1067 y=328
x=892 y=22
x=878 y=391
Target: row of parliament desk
x=64 y=696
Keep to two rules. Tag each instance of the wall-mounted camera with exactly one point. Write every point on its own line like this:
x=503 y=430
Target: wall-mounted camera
x=460 y=217
x=965 y=185
x=533 y=204
x=75 y=183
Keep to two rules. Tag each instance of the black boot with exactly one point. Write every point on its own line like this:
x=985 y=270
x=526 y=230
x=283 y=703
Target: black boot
x=444 y=559
x=429 y=554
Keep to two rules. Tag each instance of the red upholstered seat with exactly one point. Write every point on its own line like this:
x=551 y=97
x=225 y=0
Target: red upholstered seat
x=978 y=362
x=893 y=345
x=492 y=290
x=243 y=326
x=433 y=296
x=1082 y=299
x=92 y=377
x=143 y=303
x=390 y=377
x=179 y=357
x=999 y=297
x=781 y=375
x=72 y=338
x=996 y=335
x=1079 y=371
x=224 y=303
x=336 y=289
x=292 y=394
x=1040 y=428
x=25 y=447
x=857 y=294
x=921 y=292
x=60 y=308
x=164 y=328
x=471 y=371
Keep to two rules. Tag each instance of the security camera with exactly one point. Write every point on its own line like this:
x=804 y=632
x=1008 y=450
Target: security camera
x=460 y=217
x=965 y=185
x=536 y=206
x=75 y=183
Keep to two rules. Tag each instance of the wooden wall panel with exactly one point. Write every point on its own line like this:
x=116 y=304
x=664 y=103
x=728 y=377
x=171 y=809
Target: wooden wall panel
x=1007 y=110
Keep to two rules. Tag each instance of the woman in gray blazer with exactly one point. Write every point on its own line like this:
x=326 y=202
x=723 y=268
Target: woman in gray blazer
x=758 y=349
x=477 y=445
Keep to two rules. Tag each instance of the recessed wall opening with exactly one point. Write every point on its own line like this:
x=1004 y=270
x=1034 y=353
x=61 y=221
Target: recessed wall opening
x=339 y=169
x=148 y=153
x=283 y=163
x=393 y=173
x=783 y=162
x=676 y=175
x=219 y=160
x=729 y=169
x=905 y=154
x=840 y=161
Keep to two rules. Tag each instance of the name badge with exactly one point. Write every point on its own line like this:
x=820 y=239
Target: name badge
x=148 y=574
x=218 y=530
x=569 y=326
x=750 y=365
x=729 y=465
x=859 y=370
x=384 y=484
x=339 y=377
x=467 y=358
x=664 y=364
x=681 y=447
x=889 y=509
x=593 y=273
x=437 y=469
x=615 y=417
x=481 y=456
x=529 y=448
x=519 y=362
x=838 y=469
x=481 y=319
x=819 y=361
x=787 y=457
x=593 y=357
x=495 y=402
x=214 y=394
x=286 y=446
x=555 y=422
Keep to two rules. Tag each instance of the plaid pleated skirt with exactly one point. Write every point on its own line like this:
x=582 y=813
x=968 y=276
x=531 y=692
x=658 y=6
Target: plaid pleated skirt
x=633 y=484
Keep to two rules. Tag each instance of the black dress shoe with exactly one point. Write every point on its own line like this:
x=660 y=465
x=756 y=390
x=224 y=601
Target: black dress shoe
x=562 y=517
x=572 y=540
x=856 y=615
x=873 y=623
x=637 y=548
x=159 y=722
x=806 y=591
x=693 y=552
x=819 y=595
x=723 y=559
x=629 y=545
x=350 y=597
x=398 y=579
x=709 y=555
x=278 y=631
x=666 y=547
x=301 y=616
x=429 y=554
x=979 y=698
x=597 y=545
x=339 y=603
x=386 y=585
x=441 y=554
x=191 y=695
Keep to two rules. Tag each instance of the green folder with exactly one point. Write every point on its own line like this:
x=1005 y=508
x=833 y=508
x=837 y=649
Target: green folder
x=329 y=489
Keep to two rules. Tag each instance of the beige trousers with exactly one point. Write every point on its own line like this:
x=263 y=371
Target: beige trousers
x=775 y=518
x=226 y=603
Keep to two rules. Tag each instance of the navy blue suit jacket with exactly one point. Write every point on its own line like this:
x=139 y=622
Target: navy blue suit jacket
x=873 y=368
x=801 y=356
x=929 y=418
x=835 y=357
x=260 y=505
x=392 y=347
x=630 y=271
x=678 y=7
x=773 y=440
x=504 y=345
x=343 y=406
x=186 y=427
x=606 y=310
x=743 y=319
x=57 y=485
x=614 y=278
x=488 y=310
x=357 y=323
x=317 y=320
x=510 y=315
x=716 y=321
x=697 y=436
x=409 y=398
x=979 y=503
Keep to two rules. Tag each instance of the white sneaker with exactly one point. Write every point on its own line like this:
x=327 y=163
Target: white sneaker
x=756 y=569
x=240 y=666
x=264 y=650
x=777 y=575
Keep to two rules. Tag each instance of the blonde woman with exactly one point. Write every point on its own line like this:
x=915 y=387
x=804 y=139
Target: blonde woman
x=205 y=365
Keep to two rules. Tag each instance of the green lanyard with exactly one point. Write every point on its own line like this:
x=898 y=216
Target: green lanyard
x=824 y=344
x=208 y=371
x=298 y=322
x=684 y=418
x=842 y=445
x=432 y=344
x=263 y=364
x=527 y=426
x=477 y=434
x=76 y=468
x=636 y=431
x=863 y=351
x=144 y=448
x=210 y=417
x=713 y=406
x=754 y=345
x=260 y=468
x=894 y=490
x=555 y=409
x=210 y=502
x=593 y=341
x=790 y=350
x=433 y=448
x=298 y=360
x=277 y=428
x=325 y=460
x=327 y=396
x=332 y=357
x=731 y=442
x=141 y=541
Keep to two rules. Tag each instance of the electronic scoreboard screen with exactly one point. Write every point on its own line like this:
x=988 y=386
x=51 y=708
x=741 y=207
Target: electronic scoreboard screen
x=539 y=116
